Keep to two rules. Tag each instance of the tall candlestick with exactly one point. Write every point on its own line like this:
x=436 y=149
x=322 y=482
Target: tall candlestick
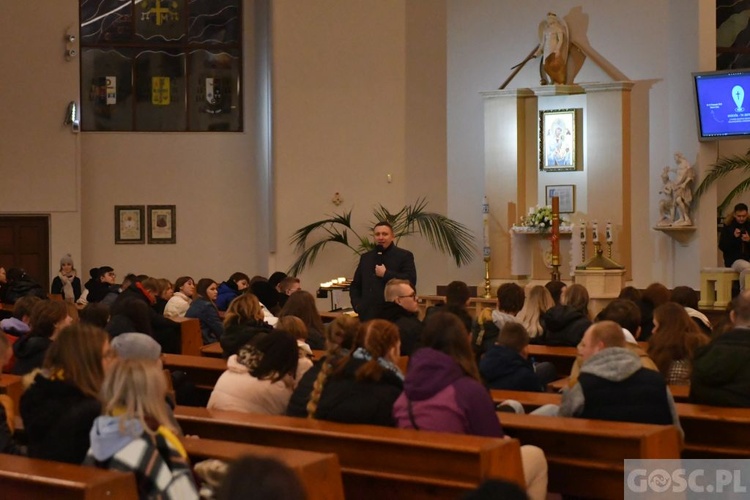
x=608 y=232
x=583 y=232
x=595 y=232
x=485 y=227
x=555 y=238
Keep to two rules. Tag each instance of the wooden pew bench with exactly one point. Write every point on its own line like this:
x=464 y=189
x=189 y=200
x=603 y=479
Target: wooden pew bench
x=212 y=350
x=201 y=370
x=585 y=457
x=376 y=462
x=561 y=357
x=12 y=386
x=710 y=431
x=191 y=339
x=22 y=477
x=319 y=473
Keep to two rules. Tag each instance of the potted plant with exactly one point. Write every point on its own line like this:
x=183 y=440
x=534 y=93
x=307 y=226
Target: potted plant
x=721 y=168
x=444 y=234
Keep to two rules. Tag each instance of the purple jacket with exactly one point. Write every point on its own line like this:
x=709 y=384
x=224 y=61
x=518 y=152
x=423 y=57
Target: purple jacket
x=444 y=399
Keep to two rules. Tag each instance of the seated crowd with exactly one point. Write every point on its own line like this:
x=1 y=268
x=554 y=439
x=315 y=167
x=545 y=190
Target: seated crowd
x=95 y=392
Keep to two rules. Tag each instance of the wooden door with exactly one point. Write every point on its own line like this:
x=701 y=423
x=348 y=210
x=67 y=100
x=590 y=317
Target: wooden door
x=24 y=242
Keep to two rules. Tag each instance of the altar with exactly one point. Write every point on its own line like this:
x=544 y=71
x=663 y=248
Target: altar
x=531 y=252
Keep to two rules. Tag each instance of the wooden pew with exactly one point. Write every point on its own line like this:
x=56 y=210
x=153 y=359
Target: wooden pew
x=201 y=371
x=376 y=462
x=12 y=386
x=585 y=457
x=22 y=477
x=320 y=473
x=561 y=357
x=212 y=350
x=191 y=339
x=710 y=431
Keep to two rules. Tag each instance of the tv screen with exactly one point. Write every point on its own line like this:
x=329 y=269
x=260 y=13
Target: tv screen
x=723 y=99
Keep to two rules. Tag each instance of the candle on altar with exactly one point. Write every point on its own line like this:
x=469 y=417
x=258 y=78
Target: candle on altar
x=555 y=226
x=608 y=232
x=485 y=227
x=595 y=232
x=583 y=231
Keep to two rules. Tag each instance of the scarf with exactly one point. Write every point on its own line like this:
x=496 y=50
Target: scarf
x=362 y=353
x=67 y=283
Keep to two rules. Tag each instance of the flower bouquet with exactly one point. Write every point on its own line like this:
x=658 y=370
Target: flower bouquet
x=539 y=218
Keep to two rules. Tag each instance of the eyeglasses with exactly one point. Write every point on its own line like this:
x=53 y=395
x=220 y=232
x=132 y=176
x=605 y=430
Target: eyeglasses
x=413 y=295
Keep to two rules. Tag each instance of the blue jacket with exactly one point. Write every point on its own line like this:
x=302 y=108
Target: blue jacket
x=227 y=293
x=211 y=326
x=503 y=368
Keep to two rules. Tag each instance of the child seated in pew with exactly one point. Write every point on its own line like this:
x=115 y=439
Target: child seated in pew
x=134 y=433
x=7 y=410
x=341 y=339
x=361 y=388
x=506 y=365
x=260 y=377
x=443 y=393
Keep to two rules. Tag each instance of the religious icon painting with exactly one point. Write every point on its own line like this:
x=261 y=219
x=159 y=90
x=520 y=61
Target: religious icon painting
x=558 y=138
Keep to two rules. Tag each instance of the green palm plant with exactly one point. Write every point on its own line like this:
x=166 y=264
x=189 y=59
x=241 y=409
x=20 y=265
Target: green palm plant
x=443 y=234
x=721 y=168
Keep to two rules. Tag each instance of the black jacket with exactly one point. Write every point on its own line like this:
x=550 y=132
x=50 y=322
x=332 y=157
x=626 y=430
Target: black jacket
x=721 y=371
x=132 y=312
x=409 y=326
x=301 y=396
x=57 y=286
x=366 y=289
x=29 y=352
x=461 y=312
x=564 y=326
x=344 y=399
x=504 y=368
x=236 y=336
x=57 y=418
x=734 y=248
x=21 y=288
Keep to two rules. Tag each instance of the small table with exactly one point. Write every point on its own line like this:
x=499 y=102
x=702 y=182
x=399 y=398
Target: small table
x=338 y=287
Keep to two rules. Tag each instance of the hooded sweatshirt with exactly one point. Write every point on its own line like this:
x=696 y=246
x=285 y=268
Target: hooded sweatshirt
x=503 y=368
x=14 y=326
x=443 y=398
x=613 y=385
x=564 y=326
x=158 y=461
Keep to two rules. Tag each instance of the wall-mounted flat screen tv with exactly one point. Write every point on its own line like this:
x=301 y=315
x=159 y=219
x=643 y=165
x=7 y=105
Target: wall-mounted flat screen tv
x=723 y=100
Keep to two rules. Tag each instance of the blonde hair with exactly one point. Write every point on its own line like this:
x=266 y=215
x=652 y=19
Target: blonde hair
x=342 y=336
x=244 y=308
x=393 y=289
x=293 y=325
x=537 y=302
x=137 y=388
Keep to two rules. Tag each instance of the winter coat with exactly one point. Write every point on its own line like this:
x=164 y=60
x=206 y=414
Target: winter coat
x=721 y=371
x=29 y=352
x=177 y=305
x=441 y=397
x=211 y=327
x=486 y=328
x=227 y=293
x=158 y=460
x=237 y=390
x=503 y=368
x=409 y=326
x=57 y=418
x=346 y=399
x=237 y=335
x=613 y=385
x=564 y=326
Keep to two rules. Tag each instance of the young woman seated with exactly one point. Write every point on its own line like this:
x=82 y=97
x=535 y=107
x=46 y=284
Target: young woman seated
x=243 y=321
x=260 y=377
x=62 y=401
x=302 y=304
x=203 y=307
x=674 y=339
x=362 y=387
x=179 y=302
x=298 y=329
x=135 y=434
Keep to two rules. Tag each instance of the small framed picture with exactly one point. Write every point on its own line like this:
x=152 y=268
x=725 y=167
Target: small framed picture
x=129 y=223
x=557 y=140
x=162 y=224
x=567 y=196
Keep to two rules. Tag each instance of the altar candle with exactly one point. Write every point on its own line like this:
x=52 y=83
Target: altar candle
x=485 y=227
x=555 y=226
x=608 y=232
x=595 y=232
x=583 y=231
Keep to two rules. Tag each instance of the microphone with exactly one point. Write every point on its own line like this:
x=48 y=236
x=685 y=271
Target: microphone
x=379 y=256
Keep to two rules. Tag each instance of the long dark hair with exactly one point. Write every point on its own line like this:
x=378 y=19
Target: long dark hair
x=302 y=305
x=677 y=337
x=446 y=333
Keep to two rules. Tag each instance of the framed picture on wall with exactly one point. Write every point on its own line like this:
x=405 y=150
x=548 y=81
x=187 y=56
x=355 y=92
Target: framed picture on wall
x=566 y=195
x=162 y=224
x=129 y=223
x=558 y=140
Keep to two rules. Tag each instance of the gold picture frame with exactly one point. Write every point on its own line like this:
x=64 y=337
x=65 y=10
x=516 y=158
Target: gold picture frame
x=162 y=224
x=129 y=223
x=558 y=140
